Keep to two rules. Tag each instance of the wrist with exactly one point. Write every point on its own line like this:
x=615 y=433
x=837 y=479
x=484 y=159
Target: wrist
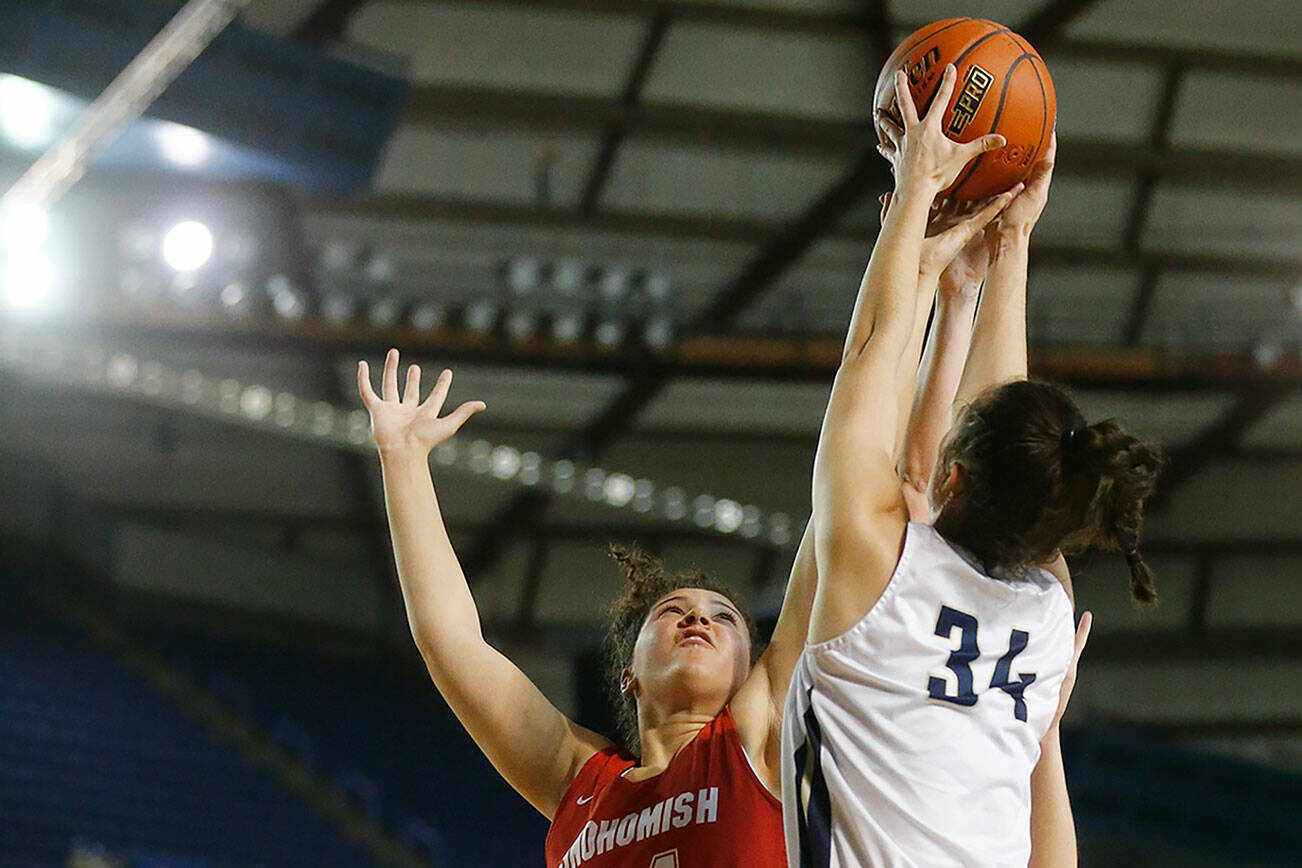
x=402 y=452
x=1014 y=238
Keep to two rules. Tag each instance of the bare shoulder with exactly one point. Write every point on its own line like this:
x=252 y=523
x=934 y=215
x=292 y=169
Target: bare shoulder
x=855 y=566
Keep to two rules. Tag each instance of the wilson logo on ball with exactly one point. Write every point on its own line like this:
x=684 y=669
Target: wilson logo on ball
x=975 y=84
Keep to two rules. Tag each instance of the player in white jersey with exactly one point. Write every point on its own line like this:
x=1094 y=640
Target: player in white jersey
x=935 y=656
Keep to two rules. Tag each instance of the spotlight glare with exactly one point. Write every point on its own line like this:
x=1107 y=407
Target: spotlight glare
x=384 y=312
x=28 y=282
x=24 y=226
x=567 y=327
x=182 y=145
x=26 y=111
x=284 y=298
x=504 y=462
x=187 y=246
x=427 y=317
x=337 y=309
x=608 y=334
x=727 y=515
x=481 y=316
x=619 y=489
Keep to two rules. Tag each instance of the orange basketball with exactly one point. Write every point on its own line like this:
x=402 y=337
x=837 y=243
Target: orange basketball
x=1003 y=87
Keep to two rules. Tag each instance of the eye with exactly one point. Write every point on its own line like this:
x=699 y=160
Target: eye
x=671 y=608
x=727 y=616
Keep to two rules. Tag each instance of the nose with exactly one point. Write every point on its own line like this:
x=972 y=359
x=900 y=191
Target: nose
x=692 y=617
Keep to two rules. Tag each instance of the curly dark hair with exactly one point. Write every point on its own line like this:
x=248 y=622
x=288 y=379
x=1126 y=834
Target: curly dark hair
x=648 y=581
x=1040 y=481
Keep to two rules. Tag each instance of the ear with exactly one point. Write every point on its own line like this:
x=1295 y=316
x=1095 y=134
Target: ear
x=956 y=481
x=627 y=683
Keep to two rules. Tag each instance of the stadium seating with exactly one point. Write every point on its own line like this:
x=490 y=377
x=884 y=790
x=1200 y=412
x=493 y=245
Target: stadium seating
x=89 y=751
x=365 y=723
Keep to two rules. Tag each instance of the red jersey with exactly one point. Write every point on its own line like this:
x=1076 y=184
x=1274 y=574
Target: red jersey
x=707 y=810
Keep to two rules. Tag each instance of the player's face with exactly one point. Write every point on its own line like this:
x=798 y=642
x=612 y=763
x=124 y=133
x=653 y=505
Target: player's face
x=694 y=647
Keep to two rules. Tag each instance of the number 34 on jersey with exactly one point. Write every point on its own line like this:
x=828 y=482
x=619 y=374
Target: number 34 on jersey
x=961 y=659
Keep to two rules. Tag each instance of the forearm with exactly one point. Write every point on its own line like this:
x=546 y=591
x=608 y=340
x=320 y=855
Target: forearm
x=909 y=371
x=942 y=366
x=998 y=352
x=440 y=610
x=886 y=307
x=1053 y=831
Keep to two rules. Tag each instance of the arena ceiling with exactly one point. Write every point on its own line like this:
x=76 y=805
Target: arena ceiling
x=725 y=146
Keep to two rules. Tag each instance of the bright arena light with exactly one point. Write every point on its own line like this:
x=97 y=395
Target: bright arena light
x=182 y=145
x=187 y=246
x=27 y=111
x=24 y=226
x=28 y=282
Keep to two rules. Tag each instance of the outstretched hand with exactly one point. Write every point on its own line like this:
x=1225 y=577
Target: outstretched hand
x=924 y=155
x=953 y=229
x=406 y=422
x=1069 y=683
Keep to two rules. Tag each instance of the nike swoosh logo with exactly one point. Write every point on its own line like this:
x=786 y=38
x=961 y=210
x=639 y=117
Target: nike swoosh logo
x=583 y=800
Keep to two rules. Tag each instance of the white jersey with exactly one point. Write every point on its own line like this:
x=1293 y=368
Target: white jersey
x=909 y=740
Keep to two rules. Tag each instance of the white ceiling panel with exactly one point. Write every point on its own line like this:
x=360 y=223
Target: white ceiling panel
x=805 y=5
x=771 y=471
x=727 y=405
x=1232 y=499
x=797 y=74
x=1102 y=587
x=1224 y=221
x=1282 y=427
x=1259 y=590
x=1166 y=419
x=1260 y=114
x=698 y=181
x=499 y=166
x=1007 y=12
x=1208 y=313
x=473 y=43
x=1269 y=26
x=1087 y=305
x=817 y=294
x=1114 y=102
x=1085 y=212
x=277 y=16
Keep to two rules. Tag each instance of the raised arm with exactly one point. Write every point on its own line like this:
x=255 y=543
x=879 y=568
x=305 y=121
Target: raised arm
x=534 y=747
x=757 y=707
x=931 y=414
x=856 y=492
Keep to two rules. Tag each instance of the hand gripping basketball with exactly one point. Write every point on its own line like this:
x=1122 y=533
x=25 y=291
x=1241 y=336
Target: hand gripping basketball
x=928 y=160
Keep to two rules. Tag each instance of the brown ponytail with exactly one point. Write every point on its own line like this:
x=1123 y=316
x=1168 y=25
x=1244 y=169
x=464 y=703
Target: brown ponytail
x=1041 y=481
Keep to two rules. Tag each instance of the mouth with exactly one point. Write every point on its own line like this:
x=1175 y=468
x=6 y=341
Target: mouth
x=695 y=637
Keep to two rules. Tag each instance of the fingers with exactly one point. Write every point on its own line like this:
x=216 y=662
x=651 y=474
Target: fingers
x=889 y=129
x=459 y=416
x=992 y=142
x=439 y=393
x=411 y=394
x=364 y=385
x=389 y=381
x=957 y=237
x=944 y=90
x=904 y=100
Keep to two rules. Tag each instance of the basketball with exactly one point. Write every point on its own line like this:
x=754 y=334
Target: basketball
x=1003 y=87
